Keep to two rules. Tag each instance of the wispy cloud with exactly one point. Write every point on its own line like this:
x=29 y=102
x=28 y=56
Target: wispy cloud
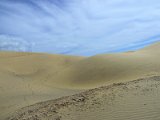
x=14 y=44
x=84 y=27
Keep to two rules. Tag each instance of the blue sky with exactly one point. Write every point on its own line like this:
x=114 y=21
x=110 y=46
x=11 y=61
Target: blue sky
x=78 y=27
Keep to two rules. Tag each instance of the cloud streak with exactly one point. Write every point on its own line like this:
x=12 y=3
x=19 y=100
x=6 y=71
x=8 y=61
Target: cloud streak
x=8 y=43
x=81 y=27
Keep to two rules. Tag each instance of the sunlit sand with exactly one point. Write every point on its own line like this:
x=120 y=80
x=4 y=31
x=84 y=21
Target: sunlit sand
x=130 y=80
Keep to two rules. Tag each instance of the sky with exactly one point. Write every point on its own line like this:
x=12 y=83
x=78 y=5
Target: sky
x=78 y=27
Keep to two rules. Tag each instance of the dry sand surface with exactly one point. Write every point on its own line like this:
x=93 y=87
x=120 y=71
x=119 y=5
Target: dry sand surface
x=111 y=68
x=23 y=77
x=29 y=78
x=135 y=100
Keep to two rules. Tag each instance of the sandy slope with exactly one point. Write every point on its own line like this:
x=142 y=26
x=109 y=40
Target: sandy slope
x=27 y=78
x=108 y=68
x=23 y=77
x=135 y=100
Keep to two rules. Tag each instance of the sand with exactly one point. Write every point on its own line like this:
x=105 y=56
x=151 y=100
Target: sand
x=23 y=77
x=135 y=100
x=29 y=78
x=111 y=68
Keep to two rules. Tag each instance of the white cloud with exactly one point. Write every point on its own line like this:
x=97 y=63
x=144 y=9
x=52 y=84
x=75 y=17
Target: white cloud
x=14 y=43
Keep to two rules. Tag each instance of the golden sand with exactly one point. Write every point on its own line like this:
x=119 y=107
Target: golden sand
x=28 y=78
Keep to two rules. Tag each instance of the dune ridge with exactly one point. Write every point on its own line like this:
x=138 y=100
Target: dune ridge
x=28 y=78
x=102 y=69
x=134 y=100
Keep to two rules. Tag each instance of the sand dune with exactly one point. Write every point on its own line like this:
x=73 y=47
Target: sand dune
x=28 y=78
x=135 y=100
x=23 y=77
x=108 y=68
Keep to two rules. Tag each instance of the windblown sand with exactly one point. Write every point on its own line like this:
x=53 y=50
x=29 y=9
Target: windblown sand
x=23 y=79
x=136 y=100
x=29 y=78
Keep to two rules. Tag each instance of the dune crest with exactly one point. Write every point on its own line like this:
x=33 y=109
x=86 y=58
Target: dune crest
x=135 y=100
x=28 y=78
x=111 y=68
